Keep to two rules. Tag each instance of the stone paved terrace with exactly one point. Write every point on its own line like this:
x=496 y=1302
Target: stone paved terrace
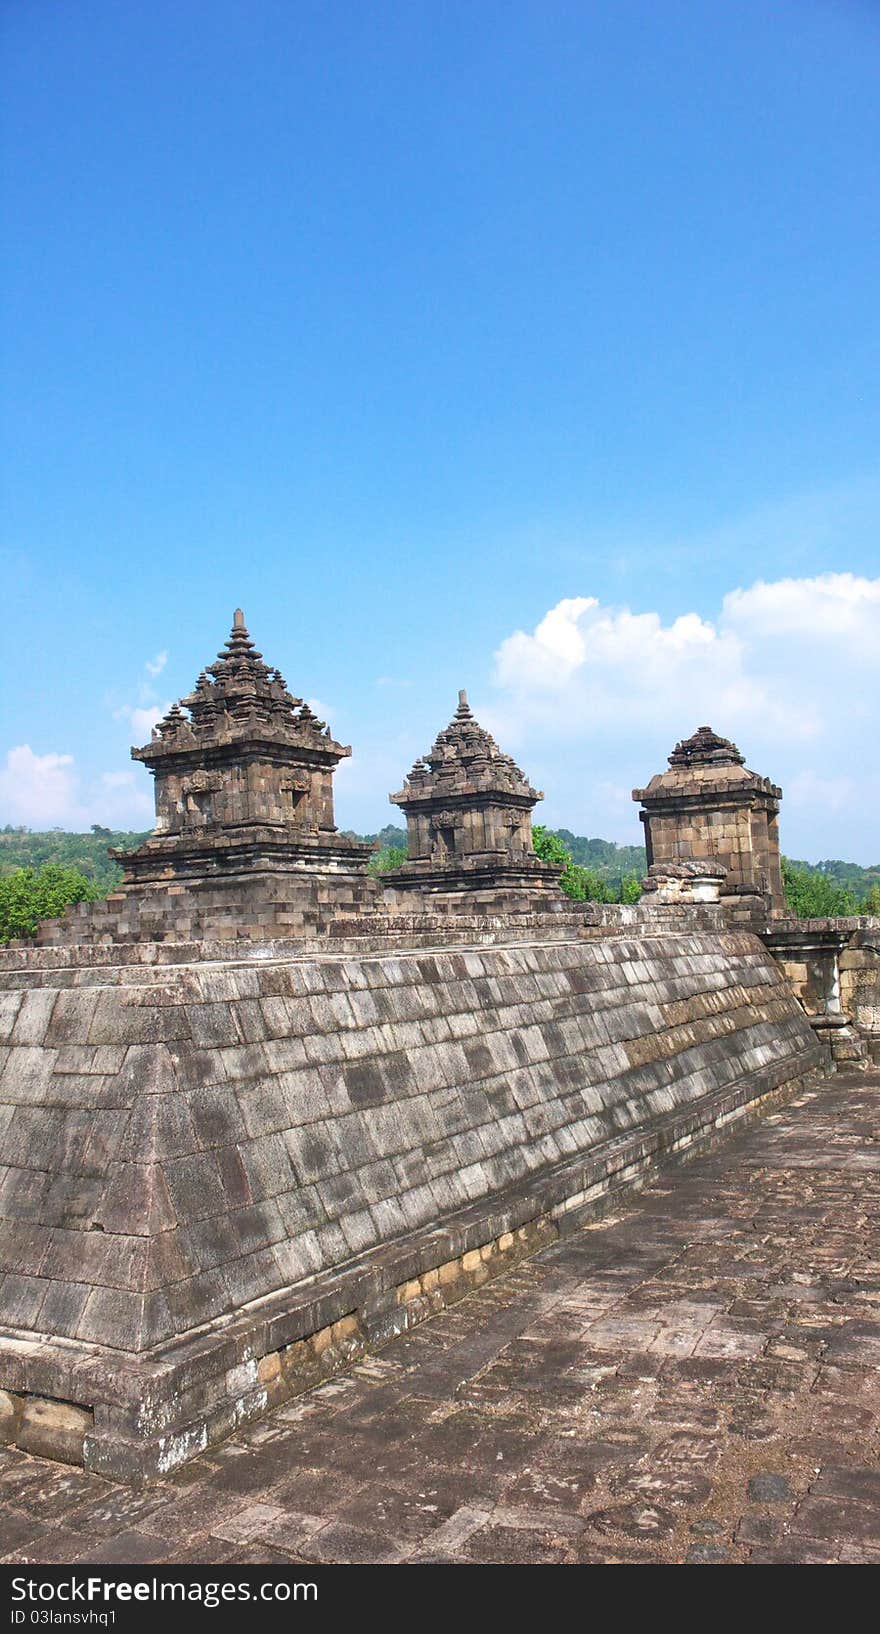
x=693 y=1379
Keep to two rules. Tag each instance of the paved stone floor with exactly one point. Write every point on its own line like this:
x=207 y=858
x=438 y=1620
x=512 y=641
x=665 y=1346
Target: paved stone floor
x=693 y=1379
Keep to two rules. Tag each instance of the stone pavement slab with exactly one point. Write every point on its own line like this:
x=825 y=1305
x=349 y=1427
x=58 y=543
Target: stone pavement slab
x=690 y=1380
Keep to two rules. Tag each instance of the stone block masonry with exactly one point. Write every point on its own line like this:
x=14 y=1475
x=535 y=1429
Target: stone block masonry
x=207 y=1163
x=260 y=1111
x=469 y=827
x=245 y=843
x=708 y=806
x=693 y=1379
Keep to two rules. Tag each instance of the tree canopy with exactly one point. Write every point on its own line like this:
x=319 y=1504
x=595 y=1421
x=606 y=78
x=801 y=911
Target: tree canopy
x=29 y=895
x=583 y=884
x=87 y=853
x=811 y=894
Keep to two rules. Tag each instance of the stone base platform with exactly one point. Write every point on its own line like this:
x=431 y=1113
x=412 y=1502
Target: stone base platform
x=253 y=901
x=224 y=1177
x=485 y=883
x=691 y=1380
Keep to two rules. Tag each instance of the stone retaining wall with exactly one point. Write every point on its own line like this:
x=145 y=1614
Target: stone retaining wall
x=833 y=968
x=204 y=1164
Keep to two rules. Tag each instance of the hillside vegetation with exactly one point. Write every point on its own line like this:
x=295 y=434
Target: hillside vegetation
x=818 y=893
x=87 y=853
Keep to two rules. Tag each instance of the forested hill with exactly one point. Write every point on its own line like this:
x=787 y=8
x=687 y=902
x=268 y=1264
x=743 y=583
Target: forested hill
x=603 y=855
x=87 y=853
x=846 y=874
x=24 y=848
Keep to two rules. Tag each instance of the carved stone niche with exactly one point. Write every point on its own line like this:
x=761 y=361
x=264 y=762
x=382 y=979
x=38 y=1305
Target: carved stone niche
x=196 y=798
x=443 y=831
x=297 y=785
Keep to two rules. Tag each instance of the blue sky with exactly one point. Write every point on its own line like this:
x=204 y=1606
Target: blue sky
x=508 y=346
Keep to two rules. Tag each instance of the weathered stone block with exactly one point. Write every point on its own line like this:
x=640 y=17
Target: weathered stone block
x=54 y=1429
x=10 y=1415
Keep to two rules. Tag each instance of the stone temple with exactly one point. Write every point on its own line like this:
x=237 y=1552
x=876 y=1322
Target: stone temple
x=260 y=1111
x=709 y=807
x=468 y=812
x=244 y=780
x=245 y=842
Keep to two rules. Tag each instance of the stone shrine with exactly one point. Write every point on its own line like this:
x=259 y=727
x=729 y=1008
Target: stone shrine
x=709 y=807
x=245 y=843
x=468 y=810
x=244 y=778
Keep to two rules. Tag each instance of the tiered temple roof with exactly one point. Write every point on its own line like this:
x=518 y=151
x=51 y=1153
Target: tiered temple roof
x=707 y=760
x=243 y=773
x=465 y=760
x=238 y=698
x=706 y=748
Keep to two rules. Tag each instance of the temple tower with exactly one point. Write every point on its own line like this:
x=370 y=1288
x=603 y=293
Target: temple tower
x=468 y=811
x=245 y=847
x=243 y=773
x=709 y=807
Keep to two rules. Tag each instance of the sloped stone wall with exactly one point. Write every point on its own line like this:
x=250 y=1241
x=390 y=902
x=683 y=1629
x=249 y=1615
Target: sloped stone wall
x=182 y=1143
x=175 y=1149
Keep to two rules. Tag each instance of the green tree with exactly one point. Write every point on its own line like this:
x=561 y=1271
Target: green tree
x=549 y=847
x=872 y=901
x=386 y=859
x=582 y=884
x=30 y=895
x=811 y=895
x=630 y=888
x=87 y=853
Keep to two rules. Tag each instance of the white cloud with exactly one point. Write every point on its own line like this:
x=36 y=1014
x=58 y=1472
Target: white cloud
x=122 y=800
x=141 y=718
x=607 y=661
x=323 y=711
x=555 y=650
x=38 y=790
x=790 y=668
x=46 y=791
x=827 y=608
x=147 y=709
x=581 y=638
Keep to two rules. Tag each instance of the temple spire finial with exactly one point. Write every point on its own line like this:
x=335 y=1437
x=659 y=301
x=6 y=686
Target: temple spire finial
x=238 y=619
x=463 y=711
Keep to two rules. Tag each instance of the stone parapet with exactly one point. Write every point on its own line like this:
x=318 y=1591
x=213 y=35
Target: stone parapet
x=367 y=930
x=833 y=967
